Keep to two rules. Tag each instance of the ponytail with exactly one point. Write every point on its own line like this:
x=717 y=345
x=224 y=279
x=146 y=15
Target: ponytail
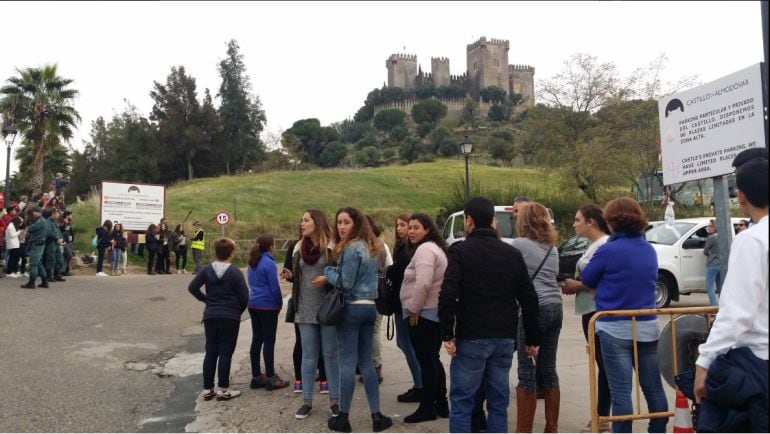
x=263 y=244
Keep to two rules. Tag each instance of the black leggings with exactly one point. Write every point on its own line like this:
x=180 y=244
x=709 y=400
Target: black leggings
x=604 y=402
x=221 y=336
x=297 y=356
x=13 y=260
x=426 y=341
x=150 y=259
x=181 y=253
x=264 y=325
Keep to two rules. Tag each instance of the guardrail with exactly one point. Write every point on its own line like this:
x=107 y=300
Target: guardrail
x=672 y=312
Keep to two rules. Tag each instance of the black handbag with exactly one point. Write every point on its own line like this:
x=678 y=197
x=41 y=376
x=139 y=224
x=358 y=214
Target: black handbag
x=330 y=313
x=332 y=305
x=384 y=303
x=290 y=311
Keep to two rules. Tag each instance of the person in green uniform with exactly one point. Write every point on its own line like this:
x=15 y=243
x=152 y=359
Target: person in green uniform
x=54 y=261
x=37 y=229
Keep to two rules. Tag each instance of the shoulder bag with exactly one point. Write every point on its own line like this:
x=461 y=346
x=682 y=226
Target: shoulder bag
x=547 y=254
x=330 y=313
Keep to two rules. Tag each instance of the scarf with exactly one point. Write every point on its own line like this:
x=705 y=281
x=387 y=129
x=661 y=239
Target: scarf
x=309 y=251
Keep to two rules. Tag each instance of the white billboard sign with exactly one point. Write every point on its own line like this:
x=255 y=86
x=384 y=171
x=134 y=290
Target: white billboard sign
x=135 y=206
x=704 y=128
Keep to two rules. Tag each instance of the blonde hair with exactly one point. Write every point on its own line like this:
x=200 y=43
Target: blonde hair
x=534 y=222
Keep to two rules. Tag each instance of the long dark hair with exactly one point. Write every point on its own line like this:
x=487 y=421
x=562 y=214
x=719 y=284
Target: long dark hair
x=361 y=231
x=592 y=211
x=401 y=241
x=433 y=232
x=263 y=244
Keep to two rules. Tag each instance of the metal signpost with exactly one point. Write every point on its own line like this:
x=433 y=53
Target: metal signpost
x=702 y=130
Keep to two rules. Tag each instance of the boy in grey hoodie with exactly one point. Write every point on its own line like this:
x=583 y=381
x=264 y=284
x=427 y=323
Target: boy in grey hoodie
x=226 y=298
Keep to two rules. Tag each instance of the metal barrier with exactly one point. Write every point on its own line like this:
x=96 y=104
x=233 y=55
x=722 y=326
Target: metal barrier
x=595 y=418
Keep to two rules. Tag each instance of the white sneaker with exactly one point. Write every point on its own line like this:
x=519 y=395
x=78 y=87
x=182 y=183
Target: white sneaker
x=178 y=271
x=25 y=274
x=102 y=274
x=184 y=271
x=15 y=275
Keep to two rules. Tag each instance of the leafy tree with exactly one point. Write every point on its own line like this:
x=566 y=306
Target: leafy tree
x=443 y=141
x=494 y=94
x=368 y=157
x=496 y=113
x=39 y=103
x=452 y=91
x=243 y=118
x=470 y=112
x=424 y=129
x=425 y=91
x=305 y=139
x=398 y=134
x=56 y=158
x=332 y=154
x=386 y=120
x=352 y=132
x=369 y=139
x=411 y=149
x=501 y=146
x=428 y=112
x=183 y=129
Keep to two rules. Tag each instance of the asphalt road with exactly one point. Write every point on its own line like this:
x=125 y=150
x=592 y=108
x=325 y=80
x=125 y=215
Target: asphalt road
x=123 y=354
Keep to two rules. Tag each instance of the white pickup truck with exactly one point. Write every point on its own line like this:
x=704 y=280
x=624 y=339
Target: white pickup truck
x=681 y=262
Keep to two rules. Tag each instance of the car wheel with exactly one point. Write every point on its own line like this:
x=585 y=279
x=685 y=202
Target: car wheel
x=663 y=288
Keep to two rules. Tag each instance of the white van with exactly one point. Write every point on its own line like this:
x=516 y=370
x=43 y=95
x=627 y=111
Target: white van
x=454 y=228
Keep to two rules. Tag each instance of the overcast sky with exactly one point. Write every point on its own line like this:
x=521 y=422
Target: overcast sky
x=320 y=59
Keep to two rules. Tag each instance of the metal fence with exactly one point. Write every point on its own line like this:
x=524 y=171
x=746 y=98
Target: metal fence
x=672 y=312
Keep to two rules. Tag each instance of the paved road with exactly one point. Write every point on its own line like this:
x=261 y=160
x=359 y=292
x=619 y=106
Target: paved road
x=123 y=354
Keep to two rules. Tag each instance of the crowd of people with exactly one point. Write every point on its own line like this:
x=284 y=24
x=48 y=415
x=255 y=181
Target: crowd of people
x=36 y=236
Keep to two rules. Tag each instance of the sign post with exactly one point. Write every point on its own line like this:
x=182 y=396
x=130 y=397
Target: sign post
x=222 y=218
x=702 y=130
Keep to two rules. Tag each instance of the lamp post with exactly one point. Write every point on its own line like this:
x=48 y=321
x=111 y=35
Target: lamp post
x=465 y=147
x=9 y=132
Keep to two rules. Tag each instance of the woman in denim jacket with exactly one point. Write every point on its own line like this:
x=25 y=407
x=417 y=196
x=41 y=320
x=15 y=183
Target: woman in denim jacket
x=356 y=273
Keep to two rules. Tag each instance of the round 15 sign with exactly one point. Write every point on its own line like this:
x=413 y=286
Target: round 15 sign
x=222 y=218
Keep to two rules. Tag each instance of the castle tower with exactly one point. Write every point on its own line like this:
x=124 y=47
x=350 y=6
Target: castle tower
x=522 y=81
x=402 y=70
x=487 y=63
x=439 y=68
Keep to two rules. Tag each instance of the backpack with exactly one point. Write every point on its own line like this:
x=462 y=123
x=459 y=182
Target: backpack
x=385 y=294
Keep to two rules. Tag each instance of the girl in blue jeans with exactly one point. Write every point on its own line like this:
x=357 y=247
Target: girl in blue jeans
x=118 y=247
x=356 y=273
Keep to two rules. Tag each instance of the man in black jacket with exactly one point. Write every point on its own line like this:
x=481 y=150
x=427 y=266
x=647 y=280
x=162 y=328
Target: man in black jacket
x=484 y=283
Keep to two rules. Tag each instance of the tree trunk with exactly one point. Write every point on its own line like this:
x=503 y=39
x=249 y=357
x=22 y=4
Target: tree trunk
x=37 y=164
x=189 y=168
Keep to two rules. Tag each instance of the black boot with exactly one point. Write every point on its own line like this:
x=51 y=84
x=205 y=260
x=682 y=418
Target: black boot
x=44 y=283
x=30 y=284
x=57 y=276
x=380 y=422
x=425 y=412
x=49 y=273
x=340 y=423
x=66 y=271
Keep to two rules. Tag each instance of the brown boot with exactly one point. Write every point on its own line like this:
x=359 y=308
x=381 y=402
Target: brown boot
x=552 y=399
x=526 y=403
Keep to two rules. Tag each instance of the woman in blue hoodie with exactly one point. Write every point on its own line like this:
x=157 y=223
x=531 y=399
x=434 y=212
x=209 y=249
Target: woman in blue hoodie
x=265 y=303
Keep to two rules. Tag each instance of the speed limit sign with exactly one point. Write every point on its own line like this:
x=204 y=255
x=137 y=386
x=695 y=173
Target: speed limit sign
x=222 y=218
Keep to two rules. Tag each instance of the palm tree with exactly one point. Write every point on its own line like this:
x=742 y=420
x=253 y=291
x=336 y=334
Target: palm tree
x=39 y=103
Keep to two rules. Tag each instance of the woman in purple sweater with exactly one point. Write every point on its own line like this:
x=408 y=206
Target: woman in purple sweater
x=624 y=271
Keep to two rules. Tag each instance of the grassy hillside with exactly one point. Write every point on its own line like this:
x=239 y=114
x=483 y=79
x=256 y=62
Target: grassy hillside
x=274 y=201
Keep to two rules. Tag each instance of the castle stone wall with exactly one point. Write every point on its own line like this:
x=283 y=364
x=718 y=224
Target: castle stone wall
x=487 y=63
x=454 y=106
x=522 y=81
x=439 y=69
x=402 y=70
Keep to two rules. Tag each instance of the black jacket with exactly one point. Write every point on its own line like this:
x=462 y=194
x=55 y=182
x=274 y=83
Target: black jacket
x=484 y=283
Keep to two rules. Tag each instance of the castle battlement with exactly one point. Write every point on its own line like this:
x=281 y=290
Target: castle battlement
x=483 y=41
x=439 y=61
x=521 y=68
x=403 y=56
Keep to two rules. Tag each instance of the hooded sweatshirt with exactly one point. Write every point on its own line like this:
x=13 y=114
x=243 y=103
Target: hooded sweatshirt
x=226 y=292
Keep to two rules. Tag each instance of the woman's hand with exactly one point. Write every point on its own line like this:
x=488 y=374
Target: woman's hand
x=571 y=286
x=319 y=282
x=286 y=274
x=413 y=318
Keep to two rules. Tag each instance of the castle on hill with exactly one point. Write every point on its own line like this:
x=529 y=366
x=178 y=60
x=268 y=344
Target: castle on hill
x=486 y=65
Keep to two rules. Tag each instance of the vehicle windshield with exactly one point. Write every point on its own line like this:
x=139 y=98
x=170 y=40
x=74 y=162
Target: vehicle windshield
x=668 y=235
x=504 y=220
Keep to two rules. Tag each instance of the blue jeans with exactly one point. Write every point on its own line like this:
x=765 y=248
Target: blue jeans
x=117 y=258
x=354 y=340
x=317 y=338
x=480 y=362
x=618 y=355
x=405 y=344
x=713 y=284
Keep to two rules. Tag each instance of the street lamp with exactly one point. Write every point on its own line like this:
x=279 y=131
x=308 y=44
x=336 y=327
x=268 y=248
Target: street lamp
x=465 y=147
x=9 y=132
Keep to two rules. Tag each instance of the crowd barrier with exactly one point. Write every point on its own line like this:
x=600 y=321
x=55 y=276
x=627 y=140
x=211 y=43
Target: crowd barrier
x=709 y=311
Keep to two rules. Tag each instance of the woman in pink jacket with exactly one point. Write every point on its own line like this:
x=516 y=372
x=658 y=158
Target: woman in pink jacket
x=419 y=299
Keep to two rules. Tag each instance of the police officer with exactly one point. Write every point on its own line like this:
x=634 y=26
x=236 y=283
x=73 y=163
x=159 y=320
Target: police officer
x=37 y=229
x=197 y=245
x=51 y=244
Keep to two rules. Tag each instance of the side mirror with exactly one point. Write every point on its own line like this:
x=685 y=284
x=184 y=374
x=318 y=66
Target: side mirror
x=693 y=243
